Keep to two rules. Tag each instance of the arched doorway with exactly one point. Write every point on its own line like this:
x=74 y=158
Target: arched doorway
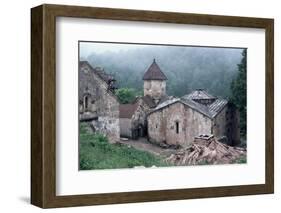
x=140 y=130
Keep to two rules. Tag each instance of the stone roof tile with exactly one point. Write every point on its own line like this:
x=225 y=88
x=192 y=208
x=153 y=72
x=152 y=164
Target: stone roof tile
x=211 y=110
x=199 y=94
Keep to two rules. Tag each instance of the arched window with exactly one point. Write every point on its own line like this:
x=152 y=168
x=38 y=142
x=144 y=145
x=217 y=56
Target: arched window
x=86 y=102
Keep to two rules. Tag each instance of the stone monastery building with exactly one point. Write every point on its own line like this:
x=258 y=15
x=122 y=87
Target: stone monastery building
x=161 y=118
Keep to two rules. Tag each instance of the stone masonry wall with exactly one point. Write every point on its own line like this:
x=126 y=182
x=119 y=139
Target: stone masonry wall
x=219 y=124
x=154 y=88
x=226 y=123
x=162 y=125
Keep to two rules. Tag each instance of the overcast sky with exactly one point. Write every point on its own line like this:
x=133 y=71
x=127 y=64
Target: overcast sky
x=86 y=48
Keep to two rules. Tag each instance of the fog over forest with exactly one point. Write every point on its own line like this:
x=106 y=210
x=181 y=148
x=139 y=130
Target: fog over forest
x=187 y=68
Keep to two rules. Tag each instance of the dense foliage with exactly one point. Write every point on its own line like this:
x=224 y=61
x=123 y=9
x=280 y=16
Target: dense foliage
x=127 y=95
x=239 y=92
x=96 y=153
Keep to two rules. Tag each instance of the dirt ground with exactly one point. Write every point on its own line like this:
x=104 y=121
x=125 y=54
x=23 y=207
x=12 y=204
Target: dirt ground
x=143 y=144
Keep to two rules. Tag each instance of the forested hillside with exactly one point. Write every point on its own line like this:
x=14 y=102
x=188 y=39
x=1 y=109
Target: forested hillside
x=187 y=68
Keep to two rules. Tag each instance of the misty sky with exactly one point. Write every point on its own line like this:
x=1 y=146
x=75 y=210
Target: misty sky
x=186 y=67
x=88 y=48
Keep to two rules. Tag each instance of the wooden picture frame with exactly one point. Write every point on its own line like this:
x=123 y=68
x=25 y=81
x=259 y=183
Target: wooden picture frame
x=43 y=105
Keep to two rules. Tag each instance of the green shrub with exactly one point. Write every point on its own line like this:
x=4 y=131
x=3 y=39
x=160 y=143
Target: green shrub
x=127 y=95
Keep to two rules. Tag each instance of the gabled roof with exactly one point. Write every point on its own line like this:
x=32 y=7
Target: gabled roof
x=100 y=72
x=87 y=74
x=154 y=73
x=199 y=94
x=127 y=110
x=148 y=100
x=211 y=110
x=168 y=101
x=203 y=109
x=165 y=98
x=217 y=106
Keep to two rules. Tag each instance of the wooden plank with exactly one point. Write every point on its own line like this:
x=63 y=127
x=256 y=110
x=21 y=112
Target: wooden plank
x=36 y=106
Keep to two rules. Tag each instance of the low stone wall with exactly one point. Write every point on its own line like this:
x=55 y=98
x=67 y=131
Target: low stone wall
x=107 y=126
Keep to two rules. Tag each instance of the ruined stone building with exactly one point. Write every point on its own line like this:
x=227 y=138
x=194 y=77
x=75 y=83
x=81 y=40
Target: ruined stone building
x=177 y=121
x=97 y=103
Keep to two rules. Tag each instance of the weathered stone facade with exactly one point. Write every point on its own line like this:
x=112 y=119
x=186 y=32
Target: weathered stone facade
x=219 y=124
x=154 y=88
x=97 y=103
x=178 y=121
x=177 y=124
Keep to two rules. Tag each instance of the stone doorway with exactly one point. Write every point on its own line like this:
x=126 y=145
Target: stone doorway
x=138 y=132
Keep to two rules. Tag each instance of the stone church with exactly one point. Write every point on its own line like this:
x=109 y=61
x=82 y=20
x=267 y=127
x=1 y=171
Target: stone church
x=176 y=121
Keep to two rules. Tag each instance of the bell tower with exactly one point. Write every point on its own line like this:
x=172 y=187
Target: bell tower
x=154 y=82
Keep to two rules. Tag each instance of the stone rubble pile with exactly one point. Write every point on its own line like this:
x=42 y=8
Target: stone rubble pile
x=206 y=149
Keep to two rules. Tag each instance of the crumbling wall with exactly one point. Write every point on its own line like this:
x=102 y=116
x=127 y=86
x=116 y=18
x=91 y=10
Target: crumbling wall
x=107 y=109
x=107 y=126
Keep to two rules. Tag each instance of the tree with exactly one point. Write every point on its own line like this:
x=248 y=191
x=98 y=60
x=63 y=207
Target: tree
x=126 y=95
x=239 y=92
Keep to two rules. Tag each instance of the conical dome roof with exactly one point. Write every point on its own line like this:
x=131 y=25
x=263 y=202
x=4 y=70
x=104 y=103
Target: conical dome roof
x=154 y=73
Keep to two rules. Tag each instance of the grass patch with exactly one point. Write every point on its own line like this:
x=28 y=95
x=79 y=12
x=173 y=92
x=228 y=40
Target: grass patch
x=95 y=152
x=242 y=159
